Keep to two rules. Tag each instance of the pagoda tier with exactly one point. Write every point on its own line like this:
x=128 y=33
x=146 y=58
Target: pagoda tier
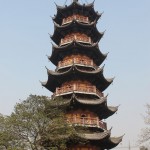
x=101 y=140
x=92 y=51
x=76 y=8
x=97 y=141
x=95 y=77
x=98 y=106
x=86 y=33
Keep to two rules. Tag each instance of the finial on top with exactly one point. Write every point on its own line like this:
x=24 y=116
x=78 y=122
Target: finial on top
x=75 y=0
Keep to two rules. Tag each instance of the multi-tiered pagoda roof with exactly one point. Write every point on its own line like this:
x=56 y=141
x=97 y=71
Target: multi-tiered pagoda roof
x=76 y=8
x=56 y=79
x=78 y=77
x=75 y=26
x=92 y=51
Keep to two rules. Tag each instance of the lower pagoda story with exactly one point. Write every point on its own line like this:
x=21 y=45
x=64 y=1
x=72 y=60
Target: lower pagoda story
x=78 y=79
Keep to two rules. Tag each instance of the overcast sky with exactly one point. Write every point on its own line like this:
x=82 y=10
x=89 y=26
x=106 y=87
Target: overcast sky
x=24 y=44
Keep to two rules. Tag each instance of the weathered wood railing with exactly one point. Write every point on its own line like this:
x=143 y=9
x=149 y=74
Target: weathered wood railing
x=78 y=61
x=75 y=17
x=77 y=88
x=87 y=121
x=75 y=37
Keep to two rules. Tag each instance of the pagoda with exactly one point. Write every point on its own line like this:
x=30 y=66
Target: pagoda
x=78 y=77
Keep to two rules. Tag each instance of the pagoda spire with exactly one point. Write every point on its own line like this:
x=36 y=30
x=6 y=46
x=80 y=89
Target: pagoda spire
x=75 y=0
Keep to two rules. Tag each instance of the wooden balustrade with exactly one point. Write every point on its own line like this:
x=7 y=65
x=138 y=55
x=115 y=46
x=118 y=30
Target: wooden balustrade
x=75 y=17
x=78 y=61
x=77 y=37
x=87 y=121
x=78 y=89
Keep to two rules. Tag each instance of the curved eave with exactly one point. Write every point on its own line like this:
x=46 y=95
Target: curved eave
x=75 y=43
x=102 y=139
x=98 y=15
x=86 y=102
x=95 y=136
x=113 y=109
x=99 y=74
x=95 y=102
x=109 y=111
x=51 y=83
x=88 y=29
x=59 y=52
x=55 y=79
x=99 y=106
x=99 y=78
x=113 y=142
x=99 y=137
x=62 y=11
x=100 y=81
x=116 y=140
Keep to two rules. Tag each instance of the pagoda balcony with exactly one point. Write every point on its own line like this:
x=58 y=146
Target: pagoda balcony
x=76 y=61
x=78 y=18
x=87 y=121
x=75 y=88
x=78 y=38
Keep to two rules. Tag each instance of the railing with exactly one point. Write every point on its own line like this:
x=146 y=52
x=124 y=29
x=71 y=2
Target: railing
x=87 y=121
x=78 y=61
x=75 y=17
x=77 y=38
x=77 y=88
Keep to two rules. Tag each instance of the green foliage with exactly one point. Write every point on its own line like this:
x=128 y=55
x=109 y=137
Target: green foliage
x=36 y=123
x=8 y=139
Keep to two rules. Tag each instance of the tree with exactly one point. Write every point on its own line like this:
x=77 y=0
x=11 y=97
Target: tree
x=36 y=123
x=145 y=135
x=7 y=137
x=28 y=120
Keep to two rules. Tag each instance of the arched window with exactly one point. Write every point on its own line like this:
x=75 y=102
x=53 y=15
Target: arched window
x=83 y=115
